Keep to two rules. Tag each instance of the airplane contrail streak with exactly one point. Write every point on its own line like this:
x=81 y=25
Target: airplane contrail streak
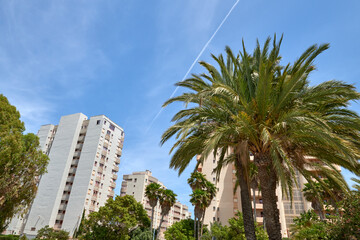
x=195 y=61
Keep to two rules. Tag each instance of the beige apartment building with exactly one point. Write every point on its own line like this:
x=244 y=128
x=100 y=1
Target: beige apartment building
x=135 y=184
x=226 y=203
x=84 y=157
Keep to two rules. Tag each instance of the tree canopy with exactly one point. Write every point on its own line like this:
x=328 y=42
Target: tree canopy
x=21 y=163
x=51 y=234
x=116 y=220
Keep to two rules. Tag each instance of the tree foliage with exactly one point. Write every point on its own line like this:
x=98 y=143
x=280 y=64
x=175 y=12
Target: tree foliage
x=235 y=230
x=116 y=219
x=335 y=227
x=182 y=230
x=21 y=163
x=51 y=234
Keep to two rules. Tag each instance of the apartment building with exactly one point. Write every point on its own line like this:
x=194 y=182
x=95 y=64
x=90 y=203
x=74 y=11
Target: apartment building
x=135 y=184
x=84 y=157
x=226 y=203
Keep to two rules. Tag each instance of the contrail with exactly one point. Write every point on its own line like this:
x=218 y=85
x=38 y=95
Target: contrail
x=195 y=61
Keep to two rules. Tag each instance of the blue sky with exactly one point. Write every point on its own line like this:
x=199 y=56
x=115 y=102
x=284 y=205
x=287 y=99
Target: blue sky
x=122 y=58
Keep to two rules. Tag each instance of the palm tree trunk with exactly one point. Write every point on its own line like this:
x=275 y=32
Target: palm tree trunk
x=249 y=225
x=194 y=227
x=159 y=229
x=202 y=225
x=152 y=218
x=268 y=179
x=198 y=229
x=254 y=201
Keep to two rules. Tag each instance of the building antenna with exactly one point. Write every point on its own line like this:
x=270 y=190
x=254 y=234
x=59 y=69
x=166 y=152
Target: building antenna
x=195 y=61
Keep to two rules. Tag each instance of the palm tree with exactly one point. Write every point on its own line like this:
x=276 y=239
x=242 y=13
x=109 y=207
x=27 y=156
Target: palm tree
x=201 y=186
x=314 y=193
x=199 y=198
x=152 y=192
x=252 y=104
x=167 y=200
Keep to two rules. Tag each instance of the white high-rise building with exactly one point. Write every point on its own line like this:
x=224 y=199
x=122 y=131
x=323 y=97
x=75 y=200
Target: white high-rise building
x=135 y=184
x=84 y=157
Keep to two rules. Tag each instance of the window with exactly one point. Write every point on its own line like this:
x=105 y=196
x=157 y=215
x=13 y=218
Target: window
x=134 y=179
x=112 y=127
x=214 y=218
x=33 y=229
x=214 y=208
x=214 y=160
x=214 y=179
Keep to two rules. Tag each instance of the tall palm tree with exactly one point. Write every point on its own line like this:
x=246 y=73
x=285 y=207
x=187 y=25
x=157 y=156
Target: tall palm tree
x=167 y=200
x=152 y=192
x=204 y=191
x=252 y=104
x=199 y=198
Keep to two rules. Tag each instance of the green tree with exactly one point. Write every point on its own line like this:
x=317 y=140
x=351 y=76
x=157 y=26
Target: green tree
x=116 y=219
x=309 y=226
x=141 y=234
x=235 y=230
x=203 y=193
x=21 y=163
x=51 y=234
x=314 y=193
x=167 y=200
x=182 y=230
x=252 y=104
x=152 y=192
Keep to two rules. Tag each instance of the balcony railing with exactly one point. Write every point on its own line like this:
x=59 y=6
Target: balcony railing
x=60 y=216
x=113 y=185
x=72 y=170
x=116 y=168
x=117 y=160
x=67 y=188
x=62 y=206
x=70 y=179
x=114 y=176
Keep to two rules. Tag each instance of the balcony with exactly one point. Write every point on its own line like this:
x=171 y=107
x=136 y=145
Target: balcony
x=92 y=208
x=100 y=169
x=106 y=145
x=258 y=205
x=65 y=197
x=107 y=137
x=111 y=193
x=118 y=152
x=117 y=160
x=75 y=161
x=257 y=193
x=259 y=219
x=60 y=216
x=113 y=185
x=67 y=188
x=79 y=146
x=81 y=138
x=77 y=154
x=83 y=130
x=102 y=161
x=98 y=178
x=116 y=168
x=104 y=152
x=114 y=176
x=93 y=197
x=72 y=170
x=96 y=188
x=70 y=179
x=62 y=206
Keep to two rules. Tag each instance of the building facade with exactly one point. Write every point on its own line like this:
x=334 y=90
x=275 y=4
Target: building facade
x=226 y=203
x=135 y=184
x=84 y=157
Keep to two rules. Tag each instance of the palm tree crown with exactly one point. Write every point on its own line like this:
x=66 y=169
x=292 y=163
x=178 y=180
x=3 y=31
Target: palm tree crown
x=252 y=104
